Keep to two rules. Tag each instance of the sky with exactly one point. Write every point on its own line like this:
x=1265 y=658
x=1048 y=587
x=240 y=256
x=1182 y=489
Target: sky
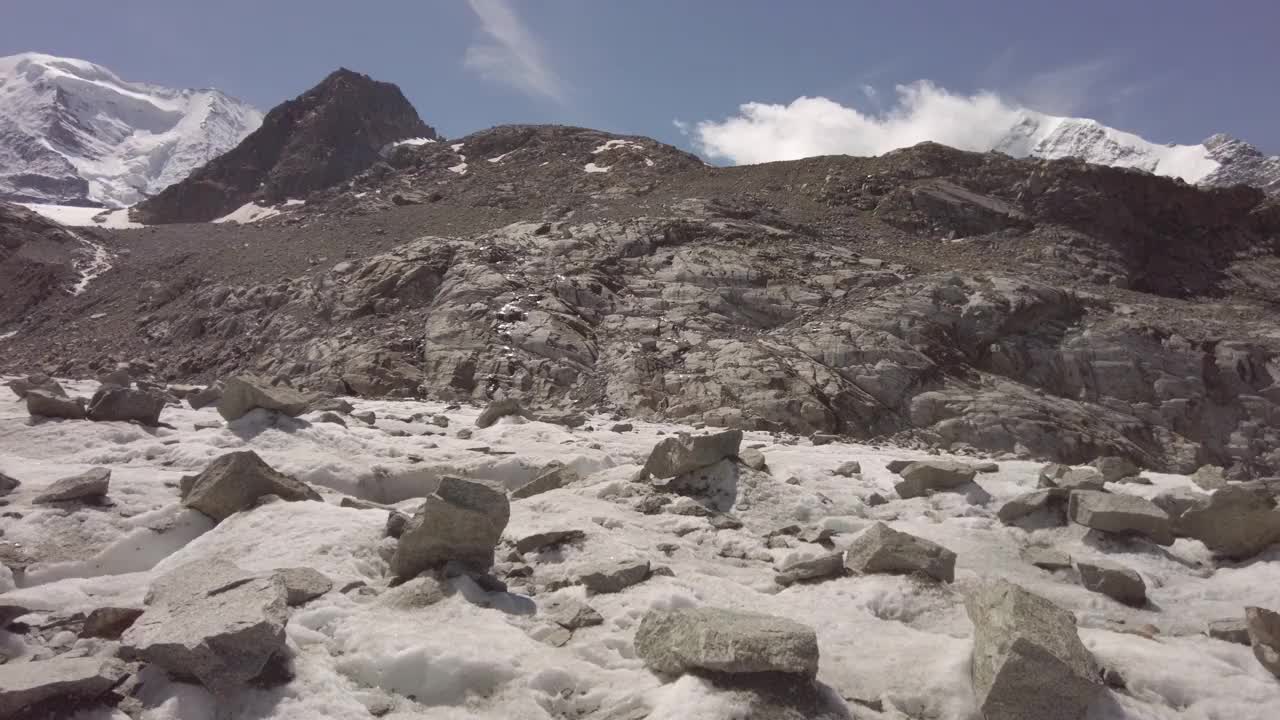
x=720 y=77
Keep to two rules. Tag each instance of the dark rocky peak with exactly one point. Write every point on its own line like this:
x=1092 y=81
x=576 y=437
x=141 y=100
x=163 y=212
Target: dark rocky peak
x=323 y=137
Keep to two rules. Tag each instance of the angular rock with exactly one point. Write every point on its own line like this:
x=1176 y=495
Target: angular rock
x=1120 y=514
x=1264 y=636
x=1051 y=503
x=921 y=478
x=396 y=523
x=328 y=416
x=821 y=567
x=1175 y=502
x=1047 y=558
x=1069 y=478
x=206 y=397
x=211 y=621
x=876 y=499
x=1235 y=522
x=87 y=486
x=569 y=613
x=368 y=417
x=42 y=403
x=499 y=409
x=611 y=576
x=39 y=381
x=235 y=481
x=331 y=405
x=462 y=520
x=1115 y=469
x=539 y=540
x=303 y=584
x=848 y=469
x=109 y=622
x=1232 y=630
x=752 y=458
x=552 y=477
x=243 y=393
x=881 y=549
x=681 y=454
x=1028 y=661
x=440 y=421
x=120 y=404
x=725 y=641
x=8 y=484
x=1113 y=580
x=897 y=466
x=1209 y=477
x=24 y=686
x=417 y=593
x=622 y=427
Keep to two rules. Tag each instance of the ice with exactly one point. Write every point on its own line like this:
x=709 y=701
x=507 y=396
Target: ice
x=895 y=640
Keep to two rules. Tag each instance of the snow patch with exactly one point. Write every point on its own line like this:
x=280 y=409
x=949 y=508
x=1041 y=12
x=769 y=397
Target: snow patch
x=612 y=144
x=98 y=262
x=74 y=216
x=594 y=168
x=250 y=212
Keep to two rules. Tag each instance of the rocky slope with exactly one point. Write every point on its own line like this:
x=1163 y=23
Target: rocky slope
x=40 y=259
x=1048 y=309
x=74 y=133
x=321 y=138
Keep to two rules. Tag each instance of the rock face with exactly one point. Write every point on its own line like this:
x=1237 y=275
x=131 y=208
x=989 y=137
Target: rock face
x=1120 y=515
x=24 y=685
x=323 y=137
x=1113 y=580
x=123 y=404
x=462 y=520
x=725 y=641
x=87 y=486
x=243 y=393
x=681 y=454
x=1028 y=661
x=920 y=478
x=1235 y=522
x=881 y=549
x=211 y=622
x=42 y=403
x=1264 y=635
x=233 y=482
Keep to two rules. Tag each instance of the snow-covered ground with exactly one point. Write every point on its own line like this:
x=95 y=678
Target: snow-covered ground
x=73 y=216
x=887 y=639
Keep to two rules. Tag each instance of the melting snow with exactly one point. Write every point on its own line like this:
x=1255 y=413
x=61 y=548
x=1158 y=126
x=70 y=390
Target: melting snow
x=456 y=146
x=6 y=336
x=594 y=168
x=460 y=168
x=500 y=158
x=414 y=141
x=611 y=144
x=248 y=213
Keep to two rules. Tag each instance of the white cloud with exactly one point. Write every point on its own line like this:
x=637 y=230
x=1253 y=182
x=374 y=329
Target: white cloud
x=810 y=126
x=510 y=54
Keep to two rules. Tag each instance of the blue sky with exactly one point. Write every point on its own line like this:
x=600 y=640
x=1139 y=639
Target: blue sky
x=1173 y=71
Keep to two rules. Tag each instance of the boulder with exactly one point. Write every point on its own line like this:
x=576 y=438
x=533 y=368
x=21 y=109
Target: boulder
x=119 y=377
x=234 y=482
x=753 y=458
x=120 y=404
x=26 y=686
x=1235 y=522
x=331 y=405
x=1050 y=504
x=622 y=427
x=681 y=454
x=1209 y=477
x=921 y=478
x=242 y=393
x=1054 y=475
x=1047 y=558
x=1175 y=502
x=1119 y=514
x=42 y=403
x=499 y=409
x=1232 y=630
x=440 y=421
x=896 y=466
x=206 y=397
x=539 y=540
x=848 y=469
x=109 y=622
x=211 y=621
x=303 y=584
x=881 y=549
x=569 y=613
x=462 y=520
x=1264 y=636
x=396 y=523
x=672 y=642
x=807 y=569
x=8 y=484
x=333 y=418
x=368 y=417
x=39 y=381
x=611 y=576
x=1113 y=580
x=1115 y=469
x=552 y=477
x=1028 y=661
x=90 y=485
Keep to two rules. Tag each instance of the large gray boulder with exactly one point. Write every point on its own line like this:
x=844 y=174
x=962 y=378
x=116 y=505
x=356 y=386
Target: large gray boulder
x=462 y=520
x=499 y=409
x=1264 y=635
x=24 y=686
x=1120 y=514
x=1050 y=505
x=921 y=478
x=211 y=621
x=1028 y=661
x=43 y=403
x=235 y=481
x=121 y=404
x=672 y=642
x=681 y=454
x=1236 y=522
x=1113 y=580
x=881 y=549
x=90 y=485
x=242 y=393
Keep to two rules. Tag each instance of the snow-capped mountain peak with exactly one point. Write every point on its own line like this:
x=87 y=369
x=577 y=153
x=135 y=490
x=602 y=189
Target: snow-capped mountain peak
x=73 y=132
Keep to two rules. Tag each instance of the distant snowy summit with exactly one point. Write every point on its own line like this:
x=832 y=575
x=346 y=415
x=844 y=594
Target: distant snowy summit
x=1217 y=162
x=74 y=133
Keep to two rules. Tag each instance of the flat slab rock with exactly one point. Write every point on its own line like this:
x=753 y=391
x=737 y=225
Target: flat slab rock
x=1121 y=515
x=881 y=549
x=27 y=684
x=242 y=393
x=611 y=576
x=725 y=641
x=1113 y=580
x=921 y=478
x=808 y=569
x=89 y=485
